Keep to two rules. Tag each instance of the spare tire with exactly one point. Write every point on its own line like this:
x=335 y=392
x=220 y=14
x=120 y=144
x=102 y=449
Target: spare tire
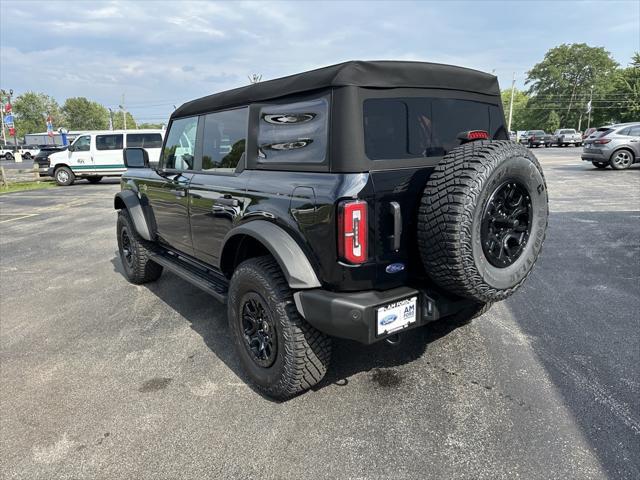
x=482 y=219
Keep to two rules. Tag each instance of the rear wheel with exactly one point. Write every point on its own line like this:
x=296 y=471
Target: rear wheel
x=8 y=157
x=64 y=176
x=621 y=160
x=482 y=220
x=94 y=179
x=600 y=164
x=282 y=354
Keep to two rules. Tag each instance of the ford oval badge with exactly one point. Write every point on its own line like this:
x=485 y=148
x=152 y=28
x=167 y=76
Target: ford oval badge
x=388 y=319
x=395 y=268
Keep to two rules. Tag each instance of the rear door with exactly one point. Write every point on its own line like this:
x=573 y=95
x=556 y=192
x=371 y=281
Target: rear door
x=218 y=189
x=634 y=141
x=421 y=128
x=167 y=189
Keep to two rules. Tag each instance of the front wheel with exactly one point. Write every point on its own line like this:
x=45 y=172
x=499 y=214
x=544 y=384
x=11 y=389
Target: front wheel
x=282 y=354
x=64 y=176
x=134 y=254
x=8 y=157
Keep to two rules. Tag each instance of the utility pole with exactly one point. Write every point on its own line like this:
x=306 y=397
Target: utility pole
x=110 y=119
x=124 y=113
x=590 y=108
x=513 y=90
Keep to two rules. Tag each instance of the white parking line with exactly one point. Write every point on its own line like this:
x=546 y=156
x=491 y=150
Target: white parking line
x=17 y=216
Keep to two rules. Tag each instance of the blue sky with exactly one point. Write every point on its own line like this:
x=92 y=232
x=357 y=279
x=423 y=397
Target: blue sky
x=164 y=53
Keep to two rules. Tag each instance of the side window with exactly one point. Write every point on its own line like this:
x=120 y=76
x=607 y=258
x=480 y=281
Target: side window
x=635 y=131
x=144 y=140
x=625 y=131
x=294 y=132
x=224 y=139
x=179 y=150
x=82 y=144
x=109 y=142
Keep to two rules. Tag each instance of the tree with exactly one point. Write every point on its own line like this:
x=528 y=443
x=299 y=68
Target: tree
x=150 y=125
x=118 y=122
x=562 y=81
x=520 y=99
x=31 y=110
x=83 y=114
x=553 y=122
x=625 y=93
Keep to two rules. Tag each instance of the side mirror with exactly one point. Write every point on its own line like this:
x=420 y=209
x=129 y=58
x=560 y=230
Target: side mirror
x=71 y=148
x=135 y=158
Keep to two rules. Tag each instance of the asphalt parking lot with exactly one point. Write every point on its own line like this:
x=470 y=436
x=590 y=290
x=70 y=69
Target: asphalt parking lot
x=103 y=379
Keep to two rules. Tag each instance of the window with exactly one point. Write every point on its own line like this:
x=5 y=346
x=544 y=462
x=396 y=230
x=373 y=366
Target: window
x=144 y=140
x=82 y=144
x=635 y=131
x=294 y=132
x=224 y=139
x=179 y=150
x=109 y=142
x=397 y=128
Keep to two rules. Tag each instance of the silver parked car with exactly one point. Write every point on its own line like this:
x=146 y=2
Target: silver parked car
x=615 y=145
x=566 y=136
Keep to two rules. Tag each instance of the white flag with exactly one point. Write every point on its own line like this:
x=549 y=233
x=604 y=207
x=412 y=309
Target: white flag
x=589 y=106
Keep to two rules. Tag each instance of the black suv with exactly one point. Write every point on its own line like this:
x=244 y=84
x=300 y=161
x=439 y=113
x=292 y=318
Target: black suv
x=357 y=201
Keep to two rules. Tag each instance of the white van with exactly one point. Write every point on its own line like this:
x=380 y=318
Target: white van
x=98 y=154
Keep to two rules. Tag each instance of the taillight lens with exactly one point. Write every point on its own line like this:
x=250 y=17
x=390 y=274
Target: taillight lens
x=352 y=231
x=602 y=141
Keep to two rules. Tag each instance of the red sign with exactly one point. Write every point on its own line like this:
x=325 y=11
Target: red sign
x=12 y=132
x=7 y=108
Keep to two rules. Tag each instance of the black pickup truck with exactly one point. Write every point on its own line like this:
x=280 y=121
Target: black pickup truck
x=359 y=201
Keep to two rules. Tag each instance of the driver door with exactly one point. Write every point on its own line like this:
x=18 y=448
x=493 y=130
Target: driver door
x=166 y=189
x=80 y=157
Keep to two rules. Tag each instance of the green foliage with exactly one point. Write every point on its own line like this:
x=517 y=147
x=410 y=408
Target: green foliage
x=553 y=122
x=626 y=93
x=520 y=100
x=118 y=122
x=562 y=81
x=83 y=114
x=150 y=125
x=31 y=110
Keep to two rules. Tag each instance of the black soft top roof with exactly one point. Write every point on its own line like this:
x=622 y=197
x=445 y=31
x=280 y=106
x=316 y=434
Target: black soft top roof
x=376 y=74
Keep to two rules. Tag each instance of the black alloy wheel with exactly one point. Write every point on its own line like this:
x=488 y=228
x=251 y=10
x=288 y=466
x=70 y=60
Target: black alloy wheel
x=261 y=340
x=506 y=224
x=127 y=252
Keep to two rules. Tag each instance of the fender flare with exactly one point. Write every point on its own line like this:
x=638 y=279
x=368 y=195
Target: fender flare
x=292 y=260
x=132 y=204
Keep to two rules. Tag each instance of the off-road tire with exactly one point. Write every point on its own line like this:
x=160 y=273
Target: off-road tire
x=302 y=354
x=141 y=269
x=94 y=180
x=600 y=164
x=64 y=176
x=451 y=212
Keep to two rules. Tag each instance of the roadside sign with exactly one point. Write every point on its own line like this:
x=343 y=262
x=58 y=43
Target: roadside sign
x=8 y=120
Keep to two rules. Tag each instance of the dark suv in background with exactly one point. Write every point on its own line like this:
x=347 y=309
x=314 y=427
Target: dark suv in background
x=358 y=201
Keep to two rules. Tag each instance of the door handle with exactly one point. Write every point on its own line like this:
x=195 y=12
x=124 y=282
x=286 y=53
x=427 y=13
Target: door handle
x=397 y=224
x=179 y=193
x=228 y=202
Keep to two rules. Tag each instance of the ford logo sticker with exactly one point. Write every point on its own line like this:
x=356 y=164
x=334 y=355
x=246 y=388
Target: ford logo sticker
x=388 y=319
x=395 y=268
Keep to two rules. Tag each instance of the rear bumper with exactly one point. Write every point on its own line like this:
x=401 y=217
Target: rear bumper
x=352 y=315
x=595 y=157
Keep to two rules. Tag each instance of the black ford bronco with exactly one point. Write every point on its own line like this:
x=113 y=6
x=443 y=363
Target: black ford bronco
x=357 y=201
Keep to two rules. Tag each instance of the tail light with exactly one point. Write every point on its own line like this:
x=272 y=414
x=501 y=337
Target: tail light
x=602 y=141
x=352 y=231
x=472 y=135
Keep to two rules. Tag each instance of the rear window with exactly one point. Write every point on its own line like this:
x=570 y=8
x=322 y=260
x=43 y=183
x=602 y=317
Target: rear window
x=144 y=140
x=396 y=128
x=567 y=131
x=109 y=142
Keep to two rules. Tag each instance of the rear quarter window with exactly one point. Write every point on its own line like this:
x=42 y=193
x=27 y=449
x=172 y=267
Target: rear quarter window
x=293 y=132
x=397 y=128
